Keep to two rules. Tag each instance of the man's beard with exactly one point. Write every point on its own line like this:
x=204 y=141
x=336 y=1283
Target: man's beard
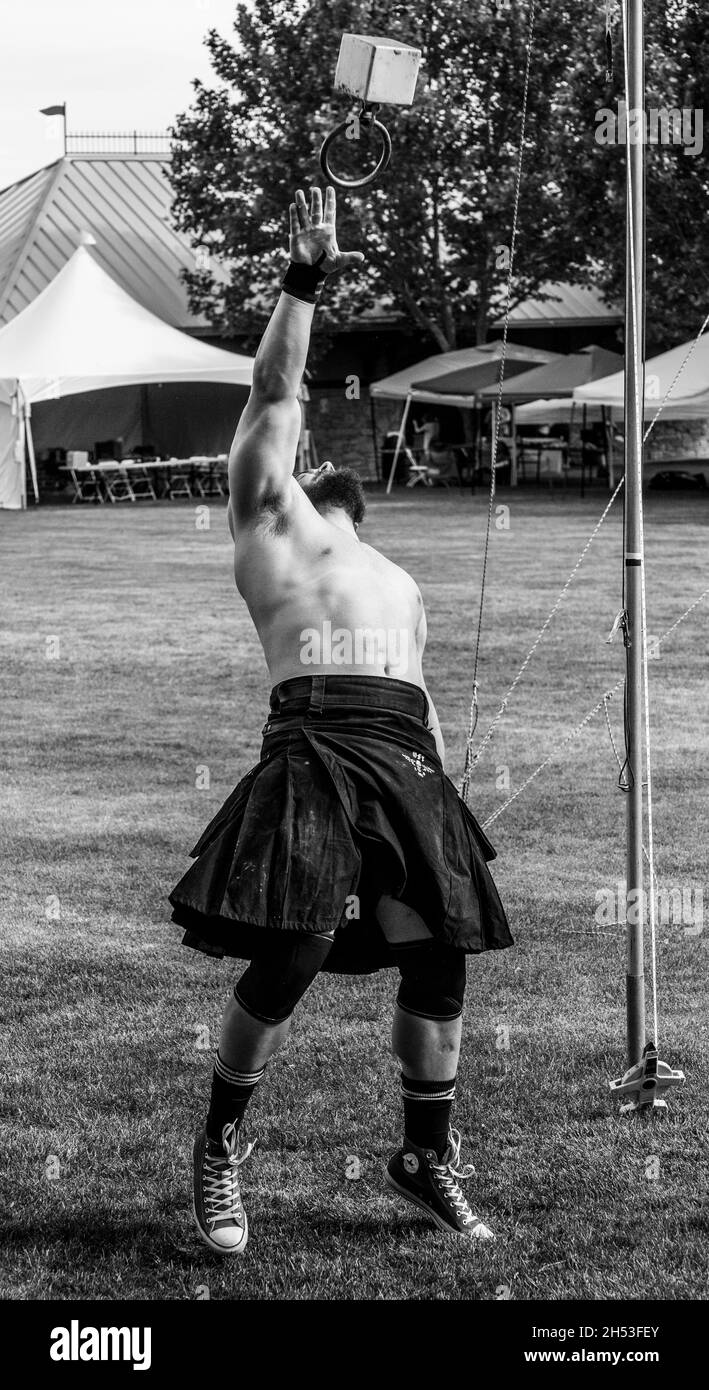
x=343 y=488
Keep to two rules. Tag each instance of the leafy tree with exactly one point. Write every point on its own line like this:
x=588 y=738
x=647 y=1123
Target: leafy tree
x=433 y=225
x=677 y=184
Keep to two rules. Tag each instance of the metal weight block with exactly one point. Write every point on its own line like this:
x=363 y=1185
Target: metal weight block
x=378 y=71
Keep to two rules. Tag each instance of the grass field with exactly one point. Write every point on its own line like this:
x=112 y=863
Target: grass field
x=129 y=666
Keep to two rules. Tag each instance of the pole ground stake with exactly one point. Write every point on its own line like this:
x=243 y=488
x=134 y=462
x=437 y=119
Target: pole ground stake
x=644 y=1084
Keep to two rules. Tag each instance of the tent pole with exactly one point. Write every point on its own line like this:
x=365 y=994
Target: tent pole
x=30 y=450
x=399 y=441
x=20 y=444
x=608 y=427
x=633 y=559
x=373 y=422
x=647 y=1077
x=570 y=438
x=493 y=432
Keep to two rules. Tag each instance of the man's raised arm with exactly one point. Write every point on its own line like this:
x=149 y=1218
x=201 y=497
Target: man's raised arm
x=263 y=454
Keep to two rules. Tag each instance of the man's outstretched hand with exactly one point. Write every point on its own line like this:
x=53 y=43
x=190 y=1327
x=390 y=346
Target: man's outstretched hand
x=313 y=231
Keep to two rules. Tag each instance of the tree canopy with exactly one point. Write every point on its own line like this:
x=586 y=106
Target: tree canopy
x=435 y=226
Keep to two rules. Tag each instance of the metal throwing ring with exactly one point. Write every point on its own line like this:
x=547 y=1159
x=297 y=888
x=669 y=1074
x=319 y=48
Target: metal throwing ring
x=368 y=120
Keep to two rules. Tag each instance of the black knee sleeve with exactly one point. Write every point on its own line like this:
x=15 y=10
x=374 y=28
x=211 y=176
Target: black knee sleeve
x=278 y=977
x=432 y=981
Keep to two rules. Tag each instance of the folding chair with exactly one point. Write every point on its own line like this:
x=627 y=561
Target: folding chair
x=443 y=467
x=418 y=472
x=178 y=480
x=116 y=481
x=199 y=476
x=87 y=483
x=140 y=481
x=216 y=476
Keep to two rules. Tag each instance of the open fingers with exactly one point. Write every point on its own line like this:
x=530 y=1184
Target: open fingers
x=301 y=210
x=329 y=215
x=316 y=206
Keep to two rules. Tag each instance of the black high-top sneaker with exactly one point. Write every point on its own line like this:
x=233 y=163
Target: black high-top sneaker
x=431 y=1183
x=217 y=1205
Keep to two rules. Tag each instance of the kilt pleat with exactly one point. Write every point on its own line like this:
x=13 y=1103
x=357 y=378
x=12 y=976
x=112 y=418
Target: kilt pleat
x=333 y=816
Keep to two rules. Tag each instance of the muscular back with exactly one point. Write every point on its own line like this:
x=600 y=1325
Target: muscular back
x=322 y=601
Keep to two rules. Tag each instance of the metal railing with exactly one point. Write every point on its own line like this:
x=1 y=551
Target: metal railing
x=121 y=142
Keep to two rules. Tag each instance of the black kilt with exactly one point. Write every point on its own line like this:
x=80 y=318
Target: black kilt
x=349 y=801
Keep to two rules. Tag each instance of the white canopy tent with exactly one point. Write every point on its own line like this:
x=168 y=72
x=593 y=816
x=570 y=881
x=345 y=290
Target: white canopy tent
x=559 y=410
x=398 y=386
x=451 y=379
x=84 y=333
x=689 y=395
x=562 y=410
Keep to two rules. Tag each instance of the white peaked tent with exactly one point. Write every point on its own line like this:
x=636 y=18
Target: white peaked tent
x=559 y=410
x=688 y=398
x=82 y=333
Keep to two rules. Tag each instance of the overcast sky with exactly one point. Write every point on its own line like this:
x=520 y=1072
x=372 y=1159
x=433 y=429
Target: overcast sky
x=119 y=66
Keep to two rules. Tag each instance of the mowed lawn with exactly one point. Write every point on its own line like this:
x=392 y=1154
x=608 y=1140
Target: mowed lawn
x=134 y=693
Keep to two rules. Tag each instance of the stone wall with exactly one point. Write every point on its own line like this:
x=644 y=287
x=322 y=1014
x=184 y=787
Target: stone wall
x=342 y=428
x=670 y=439
x=677 y=439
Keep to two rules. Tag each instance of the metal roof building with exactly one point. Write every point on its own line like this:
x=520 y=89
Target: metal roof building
x=568 y=306
x=124 y=200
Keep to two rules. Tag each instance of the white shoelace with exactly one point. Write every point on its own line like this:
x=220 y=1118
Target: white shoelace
x=222 y=1194
x=448 y=1175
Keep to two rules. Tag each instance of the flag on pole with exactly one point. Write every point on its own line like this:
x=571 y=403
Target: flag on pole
x=53 y=110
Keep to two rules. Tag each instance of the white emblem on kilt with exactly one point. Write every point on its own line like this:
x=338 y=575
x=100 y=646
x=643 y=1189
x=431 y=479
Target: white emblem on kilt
x=411 y=1163
x=417 y=763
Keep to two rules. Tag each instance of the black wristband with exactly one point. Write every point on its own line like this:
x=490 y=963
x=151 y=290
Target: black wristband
x=304 y=281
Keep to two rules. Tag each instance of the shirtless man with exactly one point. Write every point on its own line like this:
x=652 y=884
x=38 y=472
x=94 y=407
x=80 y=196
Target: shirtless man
x=317 y=858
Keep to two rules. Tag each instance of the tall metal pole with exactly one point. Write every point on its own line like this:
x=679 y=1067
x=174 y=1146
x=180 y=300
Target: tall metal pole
x=375 y=442
x=634 y=401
